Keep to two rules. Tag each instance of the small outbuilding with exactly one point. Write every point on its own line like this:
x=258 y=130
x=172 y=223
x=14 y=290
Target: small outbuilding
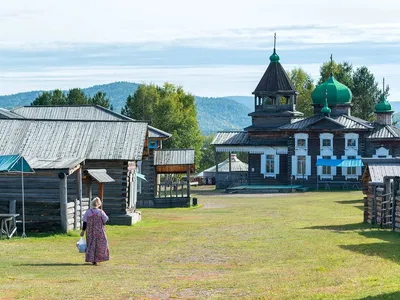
x=61 y=152
x=225 y=173
x=381 y=180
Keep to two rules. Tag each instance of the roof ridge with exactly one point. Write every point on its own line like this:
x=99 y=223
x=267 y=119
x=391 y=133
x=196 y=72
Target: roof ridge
x=388 y=127
x=355 y=119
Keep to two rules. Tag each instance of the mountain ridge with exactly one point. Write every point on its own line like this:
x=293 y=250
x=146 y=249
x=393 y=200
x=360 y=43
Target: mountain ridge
x=213 y=114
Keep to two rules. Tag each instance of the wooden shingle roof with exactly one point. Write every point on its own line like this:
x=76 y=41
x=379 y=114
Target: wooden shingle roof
x=80 y=112
x=52 y=140
x=275 y=80
x=343 y=121
x=380 y=167
x=174 y=157
x=384 y=132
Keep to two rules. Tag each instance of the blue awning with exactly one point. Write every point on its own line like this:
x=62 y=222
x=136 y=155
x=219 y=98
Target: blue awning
x=141 y=176
x=339 y=162
x=14 y=163
x=351 y=163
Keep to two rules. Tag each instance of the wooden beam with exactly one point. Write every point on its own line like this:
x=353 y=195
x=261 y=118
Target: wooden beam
x=63 y=202
x=156 y=183
x=188 y=180
x=79 y=195
x=72 y=170
x=230 y=162
x=101 y=194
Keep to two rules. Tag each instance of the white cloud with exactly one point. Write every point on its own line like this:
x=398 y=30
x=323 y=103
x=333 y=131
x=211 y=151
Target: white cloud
x=44 y=22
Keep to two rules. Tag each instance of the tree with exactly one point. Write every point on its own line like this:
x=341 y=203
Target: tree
x=171 y=109
x=343 y=72
x=304 y=85
x=365 y=93
x=58 y=98
x=362 y=84
x=74 y=96
x=44 y=98
x=208 y=156
x=101 y=99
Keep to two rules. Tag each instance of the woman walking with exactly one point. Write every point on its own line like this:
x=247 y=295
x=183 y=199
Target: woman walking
x=96 y=239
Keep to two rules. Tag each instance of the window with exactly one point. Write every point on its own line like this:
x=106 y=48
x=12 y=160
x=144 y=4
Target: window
x=326 y=143
x=301 y=143
x=270 y=164
x=351 y=143
x=326 y=170
x=301 y=165
x=351 y=170
x=268 y=101
x=283 y=101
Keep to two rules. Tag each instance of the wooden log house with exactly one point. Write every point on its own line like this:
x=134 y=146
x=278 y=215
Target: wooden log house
x=145 y=189
x=171 y=194
x=322 y=150
x=381 y=190
x=62 y=153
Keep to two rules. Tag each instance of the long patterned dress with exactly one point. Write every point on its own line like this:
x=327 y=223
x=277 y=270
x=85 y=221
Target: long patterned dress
x=96 y=239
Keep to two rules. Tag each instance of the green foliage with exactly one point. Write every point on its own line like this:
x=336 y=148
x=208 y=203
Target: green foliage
x=170 y=109
x=343 y=72
x=75 y=96
x=101 y=100
x=213 y=114
x=218 y=114
x=365 y=93
x=208 y=154
x=304 y=85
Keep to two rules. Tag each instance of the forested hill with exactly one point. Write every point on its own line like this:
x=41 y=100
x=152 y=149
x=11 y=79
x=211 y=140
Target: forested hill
x=213 y=114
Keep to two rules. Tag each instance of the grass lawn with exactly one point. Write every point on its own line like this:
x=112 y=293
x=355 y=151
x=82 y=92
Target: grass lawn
x=294 y=246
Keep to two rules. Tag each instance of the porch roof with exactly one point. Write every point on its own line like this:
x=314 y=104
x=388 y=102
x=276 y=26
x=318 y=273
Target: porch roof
x=339 y=162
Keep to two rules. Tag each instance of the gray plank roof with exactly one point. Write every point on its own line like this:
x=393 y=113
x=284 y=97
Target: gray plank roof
x=230 y=138
x=6 y=114
x=80 y=112
x=347 y=122
x=49 y=139
x=241 y=138
x=74 y=112
x=384 y=132
x=236 y=166
x=174 y=157
x=379 y=168
x=54 y=164
x=100 y=175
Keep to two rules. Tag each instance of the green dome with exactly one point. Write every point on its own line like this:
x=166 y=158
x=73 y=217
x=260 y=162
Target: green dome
x=326 y=110
x=274 y=57
x=383 y=106
x=338 y=93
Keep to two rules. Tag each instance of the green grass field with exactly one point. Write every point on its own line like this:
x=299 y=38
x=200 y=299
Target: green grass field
x=296 y=246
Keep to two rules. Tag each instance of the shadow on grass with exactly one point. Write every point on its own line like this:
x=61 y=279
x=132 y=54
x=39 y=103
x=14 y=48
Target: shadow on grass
x=55 y=265
x=388 y=249
x=394 y=295
x=358 y=201
x=201 y=192
x=344 y=227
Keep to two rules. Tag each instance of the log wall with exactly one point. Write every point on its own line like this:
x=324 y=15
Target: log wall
x=42 y=195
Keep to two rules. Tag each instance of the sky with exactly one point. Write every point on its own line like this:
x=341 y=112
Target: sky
x=210 y=47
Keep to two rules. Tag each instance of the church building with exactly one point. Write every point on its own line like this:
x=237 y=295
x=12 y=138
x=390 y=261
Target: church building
x=284 y=148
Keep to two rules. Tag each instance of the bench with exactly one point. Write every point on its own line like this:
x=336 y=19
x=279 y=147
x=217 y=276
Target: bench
x=345 y=184
x=8 y=220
